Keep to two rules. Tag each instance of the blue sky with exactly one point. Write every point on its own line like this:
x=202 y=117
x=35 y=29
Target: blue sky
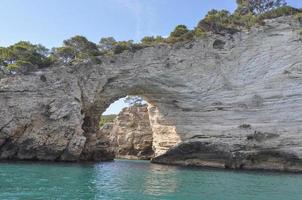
x=49 y=22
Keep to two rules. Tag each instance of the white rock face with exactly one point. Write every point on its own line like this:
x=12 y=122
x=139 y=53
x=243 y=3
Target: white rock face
x=164 y=135
x=237 y=104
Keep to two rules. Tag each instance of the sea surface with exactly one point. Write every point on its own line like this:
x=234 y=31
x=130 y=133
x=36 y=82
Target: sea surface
x=140 y=180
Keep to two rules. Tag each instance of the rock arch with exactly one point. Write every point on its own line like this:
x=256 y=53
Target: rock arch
x=238 y=106
x=136 y=81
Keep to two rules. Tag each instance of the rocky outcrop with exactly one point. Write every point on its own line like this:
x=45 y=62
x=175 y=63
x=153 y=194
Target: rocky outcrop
x=228 y=101
x=98 y=145
x=164 y=132
x=131 y=135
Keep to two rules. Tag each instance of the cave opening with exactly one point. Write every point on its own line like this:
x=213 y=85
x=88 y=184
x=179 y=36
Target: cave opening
x=125 y=125
x=136 y=128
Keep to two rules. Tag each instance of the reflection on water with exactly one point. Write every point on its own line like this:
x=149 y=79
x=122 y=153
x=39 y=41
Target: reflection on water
x=160 y=180
x=140 y=180
x=135 y=176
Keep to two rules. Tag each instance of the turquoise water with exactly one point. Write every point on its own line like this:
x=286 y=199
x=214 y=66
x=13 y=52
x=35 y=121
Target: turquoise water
x=139 y=180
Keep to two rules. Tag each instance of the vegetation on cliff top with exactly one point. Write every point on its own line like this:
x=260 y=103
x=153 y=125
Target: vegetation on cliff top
x=132 y=101
x=24 y=54
x=24 y=57
x=106 y=119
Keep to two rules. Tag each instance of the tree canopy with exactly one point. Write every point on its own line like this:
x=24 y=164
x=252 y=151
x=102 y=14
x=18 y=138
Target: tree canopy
x=76 y=48
x=247 y=14
x=107 y=44
x=149 y=40
x=134 y=101
x=24 y=55
x=81 y=45
x=179 y=31
x=64 y=54
x=262 y=6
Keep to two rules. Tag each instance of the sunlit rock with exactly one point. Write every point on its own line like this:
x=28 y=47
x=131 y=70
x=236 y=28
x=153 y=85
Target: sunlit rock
x=234 y=103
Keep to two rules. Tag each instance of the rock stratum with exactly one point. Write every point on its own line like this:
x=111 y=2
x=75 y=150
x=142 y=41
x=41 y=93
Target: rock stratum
x=229 y=101
x=131 y=135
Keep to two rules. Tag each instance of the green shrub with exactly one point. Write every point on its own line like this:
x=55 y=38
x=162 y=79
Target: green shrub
x=81 y=45
x=263 y=6
x=298 y=16
x=122 y=46
x=64 y=54
x=218 y=22
x=134 y=101
x=279 y=12
x=107 y=44
x=24 y=55
x=199 y=33
x=76 y=49
x=148 y=40
x=136 y=47
x=186 y=37
x=179 y=34
x=106 y=119
x=179 y=31
x=246 y=21
x=222 y=21
x=249 y=13
x=21 y=67
x=160 y=40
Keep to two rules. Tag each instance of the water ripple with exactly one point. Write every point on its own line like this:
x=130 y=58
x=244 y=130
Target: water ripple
x=139 y=180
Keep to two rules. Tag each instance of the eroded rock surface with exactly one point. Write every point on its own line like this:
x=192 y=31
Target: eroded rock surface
x=99 y=146
x=131 y=135
x=235 y=100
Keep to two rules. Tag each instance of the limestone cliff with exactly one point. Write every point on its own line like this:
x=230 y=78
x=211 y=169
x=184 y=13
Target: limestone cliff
x=131 y=135
x=226 y=101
